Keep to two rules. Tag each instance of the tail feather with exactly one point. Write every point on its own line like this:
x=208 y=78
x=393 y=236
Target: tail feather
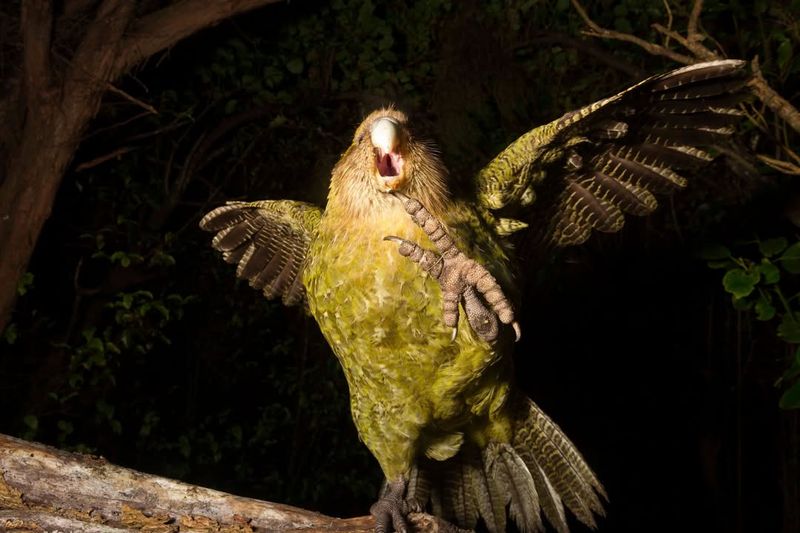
x=419 y=485
x=507 y=469
x=539 y=472
x=490 y=504
x=458 y=500
x=561 y=463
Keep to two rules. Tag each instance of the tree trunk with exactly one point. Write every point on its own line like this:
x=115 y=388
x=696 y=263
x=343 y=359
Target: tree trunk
x=56 y=114
x=42 y=488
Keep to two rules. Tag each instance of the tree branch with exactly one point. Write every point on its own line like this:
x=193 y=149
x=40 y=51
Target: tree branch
x=693 y=45
x=595 y=30
x=92 y=65
x=37 y=27
x=163 y=28
x=45 y=488
x=144 y=105
x=694 y=19
x=114 y=154
x=772 y=99
x=75 y=7
x=692 y=42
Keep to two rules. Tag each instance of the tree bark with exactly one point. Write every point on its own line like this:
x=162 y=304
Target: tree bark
x=42 y=488
x=56 y=113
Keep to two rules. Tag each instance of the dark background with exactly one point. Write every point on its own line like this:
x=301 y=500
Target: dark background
x=132 y=340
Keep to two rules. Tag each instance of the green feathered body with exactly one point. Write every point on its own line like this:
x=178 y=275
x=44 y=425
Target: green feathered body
x=442 y=416
x=413 y=391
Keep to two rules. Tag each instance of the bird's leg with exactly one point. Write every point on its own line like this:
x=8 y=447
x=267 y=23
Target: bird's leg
x=460 y=277
x=391 y=510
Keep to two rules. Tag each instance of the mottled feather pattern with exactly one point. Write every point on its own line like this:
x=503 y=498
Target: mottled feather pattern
x=269 y=241
x=457 y=498
x=562 y=464
x=641 y=138
x=549 y=500
x=538 y=472
x=508 y=469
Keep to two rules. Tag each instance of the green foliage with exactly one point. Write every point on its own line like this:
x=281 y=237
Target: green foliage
x=25 y=283
x=759 y=281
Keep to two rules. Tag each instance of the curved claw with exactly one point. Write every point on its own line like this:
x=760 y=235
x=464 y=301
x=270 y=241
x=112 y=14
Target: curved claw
x=459 y=276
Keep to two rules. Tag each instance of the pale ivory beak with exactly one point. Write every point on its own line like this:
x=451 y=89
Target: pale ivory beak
x=384 y=134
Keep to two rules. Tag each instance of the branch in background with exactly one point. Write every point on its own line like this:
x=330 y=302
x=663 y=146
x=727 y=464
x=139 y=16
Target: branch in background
x=92 y=65
x=772 y=99
x=700 y=51
x=694 y=19
x=76 y=7
x=784 y=167
x=103 y=158
x=42 y=487
x=692 y=42
x=165 y=27
x=595 y=30
x=37 y=26
x=144 y=105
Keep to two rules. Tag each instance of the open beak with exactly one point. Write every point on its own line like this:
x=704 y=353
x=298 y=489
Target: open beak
x=389 y=163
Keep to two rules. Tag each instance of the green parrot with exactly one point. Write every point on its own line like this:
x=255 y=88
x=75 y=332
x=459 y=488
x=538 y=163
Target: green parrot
x=387 y=265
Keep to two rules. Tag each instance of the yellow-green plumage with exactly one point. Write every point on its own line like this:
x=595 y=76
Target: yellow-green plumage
x=413 y=391
x=442 y=416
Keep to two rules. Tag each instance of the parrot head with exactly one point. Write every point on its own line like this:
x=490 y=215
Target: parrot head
x=384 y=157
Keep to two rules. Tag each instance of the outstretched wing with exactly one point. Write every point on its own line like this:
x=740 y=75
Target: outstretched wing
x=584 y=170
x=269 y=241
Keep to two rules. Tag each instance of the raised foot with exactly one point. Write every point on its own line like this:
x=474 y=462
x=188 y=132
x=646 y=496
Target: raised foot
x=462 y=279
x=392 y=509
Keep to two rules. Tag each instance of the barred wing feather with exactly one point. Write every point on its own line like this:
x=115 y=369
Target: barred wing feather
x=268 y=240
x=585 y=170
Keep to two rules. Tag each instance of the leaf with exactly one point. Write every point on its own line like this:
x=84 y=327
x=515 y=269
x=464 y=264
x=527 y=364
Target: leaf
x=769 y=272
x=88 y=333
x=96 y=345
x=31 y=421
x=714 y=252
x=65 y=427
x=789 y=328
x=184 y=447
x=790 y=399
x=25 y=283
x=772 y=247
x=121 y=258
x=295 y=65
x=113 y=348
x=790 y=259
x=739 y=282
x=741 y=304
x=764 y=309
x=725 y=263
x=11 y=333
x=784 y=53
